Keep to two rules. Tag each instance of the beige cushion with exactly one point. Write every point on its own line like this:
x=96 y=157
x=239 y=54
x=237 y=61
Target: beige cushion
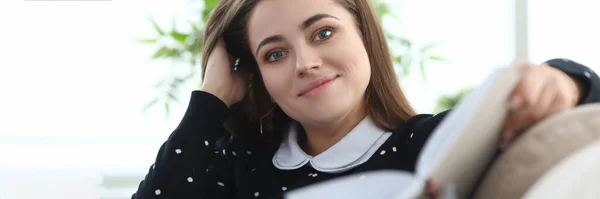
x=538 y=150
x=576 y=176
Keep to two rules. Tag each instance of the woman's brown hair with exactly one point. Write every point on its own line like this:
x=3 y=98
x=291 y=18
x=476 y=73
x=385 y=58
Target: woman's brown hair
x=385 y=101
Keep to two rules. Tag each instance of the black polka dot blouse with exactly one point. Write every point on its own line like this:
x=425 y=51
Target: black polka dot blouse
x=196 y=162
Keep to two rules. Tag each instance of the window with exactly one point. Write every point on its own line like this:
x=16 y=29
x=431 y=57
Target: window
x=564 y=29
x=475 y=36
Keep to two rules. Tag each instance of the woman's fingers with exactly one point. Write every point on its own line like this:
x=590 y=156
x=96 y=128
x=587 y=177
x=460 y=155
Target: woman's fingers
x=432 y=189
x=523 y=102
x=521 y=119
x=222 y=78
x=541 y=92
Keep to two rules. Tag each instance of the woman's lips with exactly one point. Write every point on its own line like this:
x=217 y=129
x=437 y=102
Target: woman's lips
x=317 y=85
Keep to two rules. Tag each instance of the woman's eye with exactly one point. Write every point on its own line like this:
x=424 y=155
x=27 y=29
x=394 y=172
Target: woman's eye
x=275 y=55
x=323 y=34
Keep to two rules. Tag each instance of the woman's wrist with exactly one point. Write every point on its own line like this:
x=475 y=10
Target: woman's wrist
x=219 y=93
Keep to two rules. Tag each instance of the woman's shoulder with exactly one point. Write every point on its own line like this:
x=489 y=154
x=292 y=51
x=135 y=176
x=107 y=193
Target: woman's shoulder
x=421 y=125
x=410 y=136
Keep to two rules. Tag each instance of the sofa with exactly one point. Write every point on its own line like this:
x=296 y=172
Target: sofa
x=557 y=150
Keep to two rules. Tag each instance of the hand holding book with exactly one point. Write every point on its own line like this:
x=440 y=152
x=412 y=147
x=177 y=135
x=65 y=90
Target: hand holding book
x=542 y=91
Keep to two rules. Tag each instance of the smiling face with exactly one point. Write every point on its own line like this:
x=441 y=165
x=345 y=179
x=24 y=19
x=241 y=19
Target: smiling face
x=311 y=57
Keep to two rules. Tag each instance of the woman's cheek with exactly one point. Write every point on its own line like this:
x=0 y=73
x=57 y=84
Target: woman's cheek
x=275 y=85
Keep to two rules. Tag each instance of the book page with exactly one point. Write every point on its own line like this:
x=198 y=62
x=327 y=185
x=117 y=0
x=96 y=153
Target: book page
x=462 y=145
x=453 y=124
x=373 y=185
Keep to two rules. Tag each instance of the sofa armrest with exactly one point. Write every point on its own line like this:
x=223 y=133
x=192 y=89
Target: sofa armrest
x=576 y=176
x=538 y=150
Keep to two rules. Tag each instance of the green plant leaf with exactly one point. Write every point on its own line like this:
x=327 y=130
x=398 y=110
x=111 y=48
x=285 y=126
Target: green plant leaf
x=159 y=83
x=172 y=97
x=173 y=53
x=167 y=109
x=404 y=42
x=162 y=51
x=422 y=69
x=397 y=59
x=428 y=47
x=156 y=27
x=179 y=37
x=448 y=101
x=147 y=41
x=194 y=26
x=209 y=5
x=436 y=58
x=196 y=46
x=150 y=104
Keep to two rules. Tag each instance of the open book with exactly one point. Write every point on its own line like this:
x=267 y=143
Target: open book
x=455 y=156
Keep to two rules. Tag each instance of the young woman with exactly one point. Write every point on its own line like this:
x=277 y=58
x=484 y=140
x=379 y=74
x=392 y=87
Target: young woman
x=298 y=92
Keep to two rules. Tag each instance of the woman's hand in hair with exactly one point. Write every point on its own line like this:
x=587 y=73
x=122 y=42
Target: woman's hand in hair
x=221 y=80
x=542 y=91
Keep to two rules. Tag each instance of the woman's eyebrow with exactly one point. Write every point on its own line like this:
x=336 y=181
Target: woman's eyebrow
x=271 y=39
x=307 y=23
x=311 y=20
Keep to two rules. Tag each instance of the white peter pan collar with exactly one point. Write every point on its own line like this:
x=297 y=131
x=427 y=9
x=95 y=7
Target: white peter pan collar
x=352 y=150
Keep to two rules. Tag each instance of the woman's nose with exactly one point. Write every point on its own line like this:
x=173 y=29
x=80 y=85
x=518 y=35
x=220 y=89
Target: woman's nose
x=307 y=60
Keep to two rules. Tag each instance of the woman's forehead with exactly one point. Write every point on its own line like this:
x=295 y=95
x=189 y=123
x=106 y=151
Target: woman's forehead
x=271 y=17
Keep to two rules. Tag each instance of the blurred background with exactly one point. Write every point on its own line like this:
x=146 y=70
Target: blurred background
x=91 y=88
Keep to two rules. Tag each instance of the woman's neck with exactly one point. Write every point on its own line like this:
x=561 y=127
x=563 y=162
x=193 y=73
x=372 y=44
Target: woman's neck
x=319 y=139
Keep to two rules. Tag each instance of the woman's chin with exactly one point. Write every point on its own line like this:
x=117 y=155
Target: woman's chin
x=325 y=117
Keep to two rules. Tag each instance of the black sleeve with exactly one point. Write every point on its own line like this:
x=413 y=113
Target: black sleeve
x=586 y=76
x=189 y=164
